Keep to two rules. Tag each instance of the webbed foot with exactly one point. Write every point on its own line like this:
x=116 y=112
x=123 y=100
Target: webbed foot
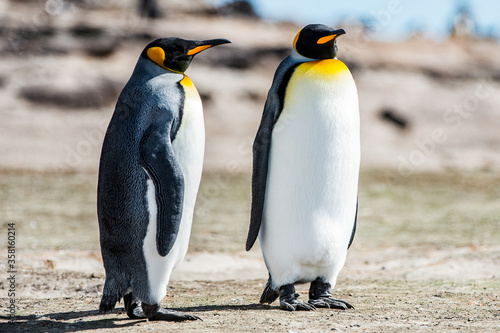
x=289 y=301
x=320 y=296
x=133 y=307
x=156 y=312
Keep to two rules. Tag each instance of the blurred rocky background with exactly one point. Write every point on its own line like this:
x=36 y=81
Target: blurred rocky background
x=426 y=104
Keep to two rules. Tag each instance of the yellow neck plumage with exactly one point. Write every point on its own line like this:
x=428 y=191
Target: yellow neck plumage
x=322 y=68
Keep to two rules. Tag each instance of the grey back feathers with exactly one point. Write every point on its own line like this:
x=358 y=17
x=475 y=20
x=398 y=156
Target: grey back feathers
x=136 y=141
x=142 y=113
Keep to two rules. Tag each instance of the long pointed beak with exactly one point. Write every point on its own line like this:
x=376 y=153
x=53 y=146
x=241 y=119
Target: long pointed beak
x=333 y=35
x=203 y=45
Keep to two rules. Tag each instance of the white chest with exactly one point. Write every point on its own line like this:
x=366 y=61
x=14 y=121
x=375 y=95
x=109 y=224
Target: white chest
x=189 y=143
x=188 y=147
x=317 y=132
x=314 y=161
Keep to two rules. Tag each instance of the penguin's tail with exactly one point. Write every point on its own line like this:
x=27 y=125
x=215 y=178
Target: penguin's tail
x=108 y=303
x=110 y=296
x=269 y=295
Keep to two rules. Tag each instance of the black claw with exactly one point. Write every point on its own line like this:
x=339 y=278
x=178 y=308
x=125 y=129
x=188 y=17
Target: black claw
x=286 y=306
x=294 y=305
x=170 y=315
x=156 y=312
x=289 y=301
x=320 y=296
x=331 y=303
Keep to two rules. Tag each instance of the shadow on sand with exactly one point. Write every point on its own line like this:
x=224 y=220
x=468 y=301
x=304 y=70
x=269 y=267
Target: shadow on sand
x=117 y=319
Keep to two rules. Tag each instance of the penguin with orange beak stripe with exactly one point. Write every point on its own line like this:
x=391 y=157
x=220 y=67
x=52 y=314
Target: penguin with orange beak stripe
x=149 y=175
x=306 y=157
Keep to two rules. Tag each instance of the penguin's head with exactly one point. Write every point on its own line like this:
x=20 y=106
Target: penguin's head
x=175 y=54
x=317 y=41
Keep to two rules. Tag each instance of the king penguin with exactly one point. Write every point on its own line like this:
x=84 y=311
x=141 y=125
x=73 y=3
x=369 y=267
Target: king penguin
x=149 y=174
x=306 y=158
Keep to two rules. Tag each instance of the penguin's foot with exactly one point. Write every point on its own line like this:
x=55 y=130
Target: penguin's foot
x=132 y=305
x=156 y=312
x=320 y=296
x=289 y=301
x=330 y=303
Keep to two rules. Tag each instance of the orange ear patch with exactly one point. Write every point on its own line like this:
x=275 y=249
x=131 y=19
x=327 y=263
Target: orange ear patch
x=295 y=40
x=198 y=49
x=156 y=54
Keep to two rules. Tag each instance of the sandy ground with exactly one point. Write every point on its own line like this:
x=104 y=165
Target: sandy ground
x=436 y=290
x=391 y=264
x=425 y=256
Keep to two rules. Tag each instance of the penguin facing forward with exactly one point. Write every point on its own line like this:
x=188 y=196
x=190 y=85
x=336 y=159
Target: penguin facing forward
x=149 y=174
x=306 y=158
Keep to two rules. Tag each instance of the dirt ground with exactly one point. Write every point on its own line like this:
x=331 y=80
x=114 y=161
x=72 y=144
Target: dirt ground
x=426 y=256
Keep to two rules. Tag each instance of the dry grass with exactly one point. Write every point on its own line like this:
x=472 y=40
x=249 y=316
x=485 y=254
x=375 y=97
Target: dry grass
x=449 y=209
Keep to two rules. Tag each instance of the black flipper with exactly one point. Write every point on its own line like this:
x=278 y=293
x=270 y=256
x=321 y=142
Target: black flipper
x=262 y=145
x=158 y=160
x=354 y=227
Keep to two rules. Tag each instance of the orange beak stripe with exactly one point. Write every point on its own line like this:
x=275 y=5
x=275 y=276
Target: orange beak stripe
x=325 y=39
x=198 y=49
